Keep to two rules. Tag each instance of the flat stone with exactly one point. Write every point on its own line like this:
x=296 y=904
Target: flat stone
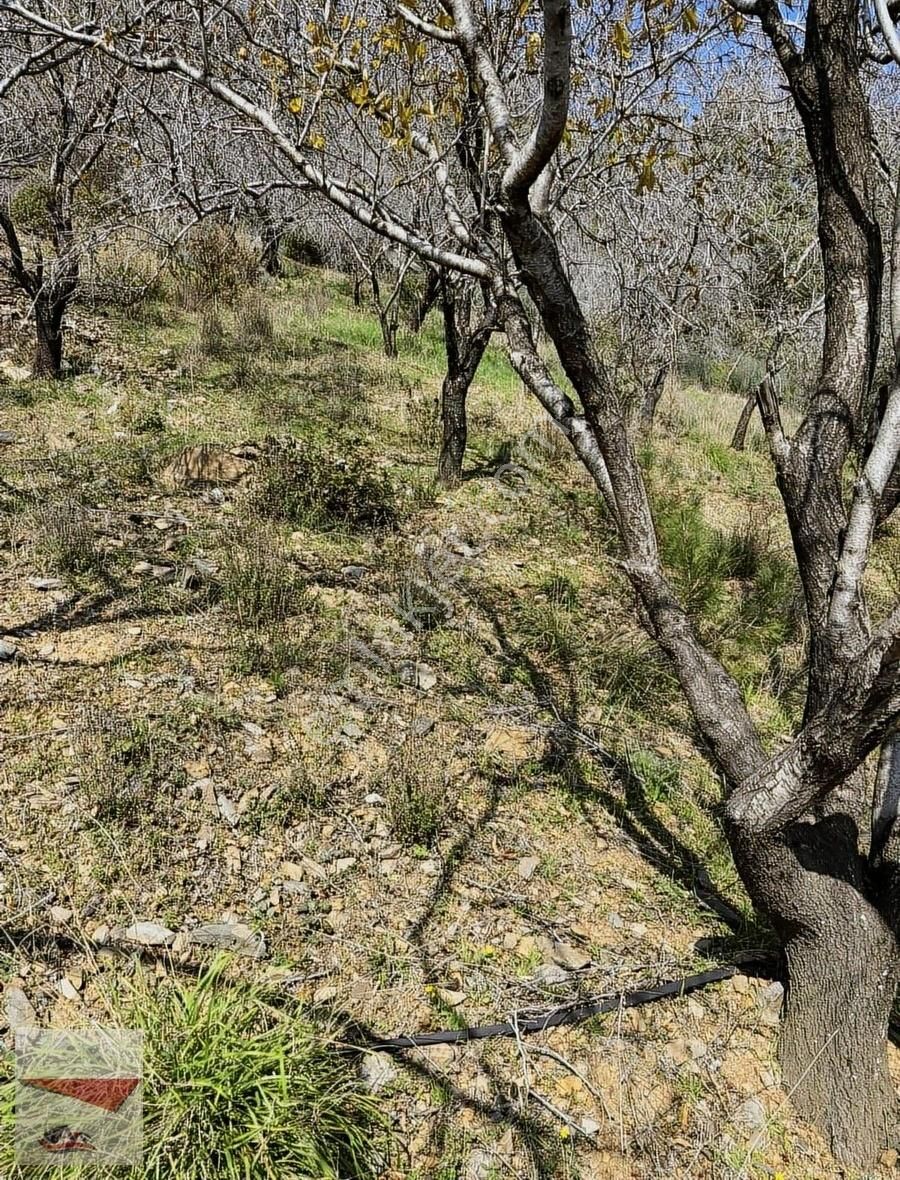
x=44 y=583
x=377 y=1071
x=228 y=937
x=8 y=650
x=20 y=1012
x=528 y=866
x=148 y=934
x=563 y=954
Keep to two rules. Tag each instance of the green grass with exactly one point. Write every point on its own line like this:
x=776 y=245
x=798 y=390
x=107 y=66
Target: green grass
x=238 y=1085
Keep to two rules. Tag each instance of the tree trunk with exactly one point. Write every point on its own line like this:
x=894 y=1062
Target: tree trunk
x=48 y=319
x=454 y=391
x=739 y=438
x=834 y=1036
x=842 y=972
x=388 y=335
x=652 y=397
x=271 y=257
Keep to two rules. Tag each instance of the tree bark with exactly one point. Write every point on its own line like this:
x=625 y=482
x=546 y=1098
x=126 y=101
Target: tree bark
x=464 y=349
x=454 y=434
x=842 y=973
x=652 y=397
x=48 y=318
x=739 y=438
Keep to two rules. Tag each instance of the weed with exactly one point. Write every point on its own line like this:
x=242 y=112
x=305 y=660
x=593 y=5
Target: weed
x=416 y=788
x=118 y=761
x=296 y=481
x=423 y=421
x=250 y=1086
x=253 y=322
x=67 y=539
x=658 y=777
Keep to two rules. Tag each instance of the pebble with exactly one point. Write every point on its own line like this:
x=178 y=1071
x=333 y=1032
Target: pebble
x=148 y=934
x=528 y=867
x=377 y=1071
x=20 y=1012
x=228 y=936
x=8 y=650
x=59 y=914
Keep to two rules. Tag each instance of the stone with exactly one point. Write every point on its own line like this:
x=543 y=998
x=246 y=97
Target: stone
x=550 y=973
x=100 y=935
x=147 y=934
x=377 y=1071
x=59 y=914
x=509 y=743
x=418 y=675
x=563 y=954
x=480 y=1165
x=20 y=1012
x=68 y=990
x=422 y=726
x=350 y=729
x=324 y=995
x=354 y=573
x=205 y=464
x=13 y=372
x=227 y=809
x=8 y=650
x=528 y=867
x=227 y=936
x=615 y=921
x=44 y=583
x=450 y=997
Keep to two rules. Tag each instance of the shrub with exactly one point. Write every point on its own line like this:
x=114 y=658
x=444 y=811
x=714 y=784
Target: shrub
x=253 y=322
x=118 y=761
x=67 y=539
x=212 y=342
x=416 y=786
x=121 y=274
x=298 y=246
x=296 y=481
x=216 y=261
x=28 y=208
x=423 y=420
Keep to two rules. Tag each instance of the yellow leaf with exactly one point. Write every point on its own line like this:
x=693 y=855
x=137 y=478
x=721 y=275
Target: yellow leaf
x=316 y=141
x=690 y=22
x=295 y=106
x=647 y=178
x=622 y=40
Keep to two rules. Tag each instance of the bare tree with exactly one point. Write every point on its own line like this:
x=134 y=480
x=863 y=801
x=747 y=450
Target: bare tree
x=814 y=834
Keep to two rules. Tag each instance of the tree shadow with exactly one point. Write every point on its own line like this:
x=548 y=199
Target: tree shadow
x=632 y=813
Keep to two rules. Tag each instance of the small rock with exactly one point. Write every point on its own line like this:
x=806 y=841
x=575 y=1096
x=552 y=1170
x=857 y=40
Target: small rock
x=480 y=1165
x=100 y=936
x=59 y=914
x=528 y=867
x=638 y=929
x=324 y=995
x=889 y=1158
x=615 y=921
x=563 y=954
x=422 y=726
x=13 y=372
x=550 y=973
x=68 y=990
x=451 y=998
x=8 y=650
x=351 y=730
x=589 y=1126
x=19 y=1010
x=354 y=573
x=148 y=934
x=343 y=863
x=197 y=770
x=377 y=1071
x=235 y=937
x=227 y=809
x=44 y=583
x=418 y=675
x=374 y=799
x=750 y=1114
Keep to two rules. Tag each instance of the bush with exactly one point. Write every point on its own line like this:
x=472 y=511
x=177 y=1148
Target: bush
x=118 y=761
x=298 y=246
x=215 y=262
x=296 y=481
x=121 y=274
x=28 y=208
x=416 y=787
x=67 y=539
x=212 y=342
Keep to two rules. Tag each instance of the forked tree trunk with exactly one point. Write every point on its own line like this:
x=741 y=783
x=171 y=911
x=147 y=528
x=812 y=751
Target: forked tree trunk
x=652 y=397
x=739 y=438
x=48 y=318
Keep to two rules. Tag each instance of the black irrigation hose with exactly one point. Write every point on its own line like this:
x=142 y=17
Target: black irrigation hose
x=569 y=1014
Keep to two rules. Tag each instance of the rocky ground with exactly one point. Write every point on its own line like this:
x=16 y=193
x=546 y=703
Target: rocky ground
x=480 y=660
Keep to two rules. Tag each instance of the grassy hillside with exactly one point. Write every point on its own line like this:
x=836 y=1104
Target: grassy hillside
x=414 y=740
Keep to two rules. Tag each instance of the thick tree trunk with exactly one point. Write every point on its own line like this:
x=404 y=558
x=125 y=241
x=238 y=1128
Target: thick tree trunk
x=271 y=255
x=48 y=319
x=834 y=1036
x=842 y=972
x=739 y=438
x=388 y=335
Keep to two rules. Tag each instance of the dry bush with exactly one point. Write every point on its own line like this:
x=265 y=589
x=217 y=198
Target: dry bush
x=118 y=764
x=215 y=262
x=66 y=539
x=253 y=321
x=416 y=787
x=123 y=273
x=423 y=419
